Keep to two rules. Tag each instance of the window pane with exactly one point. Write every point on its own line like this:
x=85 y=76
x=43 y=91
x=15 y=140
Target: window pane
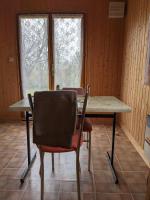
x=67 y=50
x=34 y=53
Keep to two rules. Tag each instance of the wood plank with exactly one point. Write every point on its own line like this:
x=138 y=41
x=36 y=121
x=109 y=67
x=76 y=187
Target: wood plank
x=133 y=90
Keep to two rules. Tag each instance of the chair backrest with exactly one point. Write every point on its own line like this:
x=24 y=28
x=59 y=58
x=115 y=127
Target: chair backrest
x=30 y=102
x=82 y=117
x=88 y=88
x=80 y=90
x=54 y=118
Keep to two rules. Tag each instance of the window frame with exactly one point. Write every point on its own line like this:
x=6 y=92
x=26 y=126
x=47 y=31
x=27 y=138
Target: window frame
x=50 y=44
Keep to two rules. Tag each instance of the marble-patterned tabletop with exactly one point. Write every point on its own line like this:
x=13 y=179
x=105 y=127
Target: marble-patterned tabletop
x=95 y=104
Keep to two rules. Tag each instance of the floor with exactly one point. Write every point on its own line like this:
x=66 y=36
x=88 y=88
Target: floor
x=97 y=185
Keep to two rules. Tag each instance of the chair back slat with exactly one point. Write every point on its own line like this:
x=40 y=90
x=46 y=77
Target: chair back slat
x=30 y=102
x=54 y=118
x=80 y=90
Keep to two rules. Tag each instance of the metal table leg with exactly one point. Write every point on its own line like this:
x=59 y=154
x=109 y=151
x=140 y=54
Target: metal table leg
x=111 y=158
x=30 y=160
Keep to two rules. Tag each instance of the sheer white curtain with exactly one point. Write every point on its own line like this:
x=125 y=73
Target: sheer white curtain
x=34 y=53
x=68 y=50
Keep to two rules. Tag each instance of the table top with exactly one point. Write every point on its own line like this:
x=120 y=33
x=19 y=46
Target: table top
x=95 y=104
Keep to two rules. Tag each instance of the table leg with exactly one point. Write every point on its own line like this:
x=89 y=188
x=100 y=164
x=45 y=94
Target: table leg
x=30 y=160
x=111 y=158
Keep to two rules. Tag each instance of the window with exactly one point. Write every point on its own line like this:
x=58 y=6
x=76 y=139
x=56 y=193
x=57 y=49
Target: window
x=67 y=41
x=50 y=58
x=34 y=53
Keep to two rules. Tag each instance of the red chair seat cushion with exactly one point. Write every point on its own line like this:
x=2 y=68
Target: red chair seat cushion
x=73 y=147
x=87 y=126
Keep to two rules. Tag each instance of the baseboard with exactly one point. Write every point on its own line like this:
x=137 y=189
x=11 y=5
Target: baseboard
x=11 y=120
x=136 y=145
x=101 y=121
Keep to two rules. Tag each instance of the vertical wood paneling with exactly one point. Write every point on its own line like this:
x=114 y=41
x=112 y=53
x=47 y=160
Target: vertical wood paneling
x=103 y=46
x=133 y=90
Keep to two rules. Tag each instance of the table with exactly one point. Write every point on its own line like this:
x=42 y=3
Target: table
x=97 y=107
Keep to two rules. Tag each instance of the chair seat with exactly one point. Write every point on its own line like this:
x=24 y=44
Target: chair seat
x=87 y=126
x=73 y=147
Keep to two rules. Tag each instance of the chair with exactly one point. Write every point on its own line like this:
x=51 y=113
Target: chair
x=31 y=106
x=87 y=125
x=49 y=108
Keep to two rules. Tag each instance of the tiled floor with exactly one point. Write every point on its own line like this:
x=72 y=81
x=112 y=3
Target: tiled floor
x=97 y=185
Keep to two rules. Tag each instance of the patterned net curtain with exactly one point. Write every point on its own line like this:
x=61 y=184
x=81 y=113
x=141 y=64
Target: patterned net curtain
x=67 y=51
x=34 y=54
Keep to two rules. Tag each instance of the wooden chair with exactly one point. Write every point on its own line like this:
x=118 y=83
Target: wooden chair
x=54 y=126
x=87 y=125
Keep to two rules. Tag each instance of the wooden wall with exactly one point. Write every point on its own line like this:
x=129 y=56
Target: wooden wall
x=133 y=90
x=103 y=54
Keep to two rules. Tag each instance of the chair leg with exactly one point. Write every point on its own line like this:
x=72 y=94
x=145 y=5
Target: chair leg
x=89 y=160
x=78 y=174
x=42 y=174
x=52 y=162
x=40 y=170
x=87 y=140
